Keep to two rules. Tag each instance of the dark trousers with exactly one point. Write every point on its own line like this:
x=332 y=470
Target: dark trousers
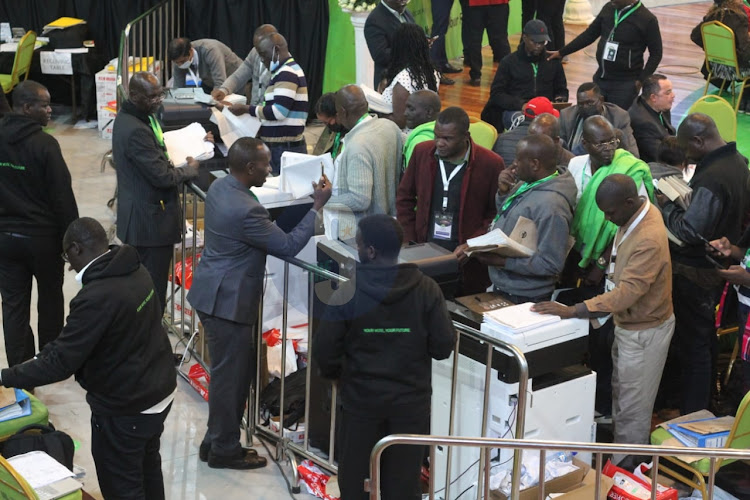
x=233 y=361
x=156 y=260
x=620 y=92
x=493 y=18
x=400 y=465
x=696 y=343
x=21 y=258
x=551 y=12
x=126 y=455
x=441 y=13
x=278 y=150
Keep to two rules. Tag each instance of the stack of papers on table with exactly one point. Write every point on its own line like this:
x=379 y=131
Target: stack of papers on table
x=188 y=141
x=62 y=23
x=14 y=403
x=299 y=171
x=518 y=319
x=48 y=477
x=199 y=95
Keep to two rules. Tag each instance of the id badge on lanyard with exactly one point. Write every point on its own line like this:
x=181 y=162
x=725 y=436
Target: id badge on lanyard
x=443 y=227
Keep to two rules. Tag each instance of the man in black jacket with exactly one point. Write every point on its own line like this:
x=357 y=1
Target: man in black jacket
x=380 y=27
x=651 y=116
x=625 y=29
x=523 y=75
x=114 y=344
x=149 y=216
x=36 y=206
x=379 y=344
x=717 y=208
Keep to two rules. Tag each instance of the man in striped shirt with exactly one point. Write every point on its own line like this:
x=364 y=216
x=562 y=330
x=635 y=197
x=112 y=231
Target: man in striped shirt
x=284 y=111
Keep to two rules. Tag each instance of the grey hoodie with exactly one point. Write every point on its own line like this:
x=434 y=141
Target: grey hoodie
x=550 y=205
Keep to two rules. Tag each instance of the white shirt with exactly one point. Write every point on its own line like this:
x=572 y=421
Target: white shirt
x=400 y=17
x=580 y=168
x=79 y=276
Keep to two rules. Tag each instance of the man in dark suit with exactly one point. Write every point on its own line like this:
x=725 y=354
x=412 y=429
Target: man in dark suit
x=651 y=116
x=227 y=287
x=149 y=216
x=380 y=26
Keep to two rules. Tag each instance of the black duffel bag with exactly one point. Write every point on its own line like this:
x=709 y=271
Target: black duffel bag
x=46 y=438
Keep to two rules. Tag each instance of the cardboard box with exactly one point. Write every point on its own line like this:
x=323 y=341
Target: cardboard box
x=577 y=485
x=106 y=119
x=296 y=435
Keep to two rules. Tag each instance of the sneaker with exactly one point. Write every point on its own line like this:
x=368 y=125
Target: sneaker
x=243 y=461
x=205 y=448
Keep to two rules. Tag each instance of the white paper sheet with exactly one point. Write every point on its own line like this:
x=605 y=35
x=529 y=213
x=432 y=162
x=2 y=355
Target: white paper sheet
x=39 y=469
x=233 y=127
x=299 y=171
x=186 y=142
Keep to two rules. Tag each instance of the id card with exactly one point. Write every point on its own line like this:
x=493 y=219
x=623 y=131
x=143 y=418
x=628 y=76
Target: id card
x=443 y=226
x=609 y=285
x=610 y=51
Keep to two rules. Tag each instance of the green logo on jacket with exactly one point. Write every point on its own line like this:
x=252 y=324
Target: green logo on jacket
x=148 y=297
x=11 y=165
x=387 y=330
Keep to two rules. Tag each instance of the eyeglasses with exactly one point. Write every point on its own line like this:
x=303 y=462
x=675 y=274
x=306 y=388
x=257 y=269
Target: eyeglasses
x=157 y=97
x=601 y=146
x=64 y=255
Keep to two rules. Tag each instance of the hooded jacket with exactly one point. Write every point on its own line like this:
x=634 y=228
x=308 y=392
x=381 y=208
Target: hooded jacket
x=380 y=342
x=36 y=197
x=113 y=341
x=550 y=206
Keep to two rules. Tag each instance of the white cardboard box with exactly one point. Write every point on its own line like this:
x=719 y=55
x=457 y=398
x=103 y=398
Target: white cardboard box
x=106 y=120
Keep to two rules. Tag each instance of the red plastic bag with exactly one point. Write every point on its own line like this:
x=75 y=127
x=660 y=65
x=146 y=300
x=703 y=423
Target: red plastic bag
x=314 y=479
x=273 y=338
x=199 y=379
x=188 y=280
x=628 y=486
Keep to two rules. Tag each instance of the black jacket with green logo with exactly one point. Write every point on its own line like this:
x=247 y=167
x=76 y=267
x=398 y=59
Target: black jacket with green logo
x=36 y=198
x=381 y=341
x=113 y=341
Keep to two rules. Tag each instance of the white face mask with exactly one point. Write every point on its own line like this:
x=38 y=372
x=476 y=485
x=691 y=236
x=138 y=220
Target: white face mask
x=274 y=65
x=186 y=64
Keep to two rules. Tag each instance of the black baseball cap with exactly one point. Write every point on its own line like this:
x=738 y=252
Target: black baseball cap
x=537 y=31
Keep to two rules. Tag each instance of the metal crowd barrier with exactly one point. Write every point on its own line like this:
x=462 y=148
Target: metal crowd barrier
x=182 y=322
x=148 y=35
x=488 y=444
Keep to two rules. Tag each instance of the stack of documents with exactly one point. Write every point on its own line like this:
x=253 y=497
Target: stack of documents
x=49 y=479
x=188 y=141
x=62 y=23
x=199 y=95
x=375 y=101
x=518 y=319
x=232 y=127
x=299 y=171
x=676 y=189
x=521 y=242
x=14 y=403
x=704 y=433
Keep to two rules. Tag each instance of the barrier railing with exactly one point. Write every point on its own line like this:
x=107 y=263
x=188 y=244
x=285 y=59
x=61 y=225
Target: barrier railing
x=182 y=322
x=148 y=35
x=488 y=444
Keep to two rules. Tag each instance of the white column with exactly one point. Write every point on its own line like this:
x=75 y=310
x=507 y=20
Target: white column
x=578 y=12
x=365 y=65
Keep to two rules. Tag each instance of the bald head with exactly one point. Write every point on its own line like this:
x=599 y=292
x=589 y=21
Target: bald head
x=617 y=197
x=542 y=150
x=272 y=50
x=421 y=107
x=142 y=81
x=351 y=105
x=595 y=125
x=698 y=136
x=145 y=92
x=264 y=30
x=545 y=124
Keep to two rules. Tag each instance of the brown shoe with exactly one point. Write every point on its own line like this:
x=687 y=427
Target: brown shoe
x=243 y=461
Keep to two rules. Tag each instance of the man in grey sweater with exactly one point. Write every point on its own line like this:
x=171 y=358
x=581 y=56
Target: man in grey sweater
x=367 y=169
x=201 y=63
x=252 y=71
x=545 y=197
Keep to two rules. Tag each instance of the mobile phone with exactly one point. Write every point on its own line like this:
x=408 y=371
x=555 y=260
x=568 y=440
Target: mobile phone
x=717 y=264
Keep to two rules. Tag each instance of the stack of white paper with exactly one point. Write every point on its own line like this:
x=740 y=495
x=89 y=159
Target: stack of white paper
x=188 y=141
x=199 y=95
x=518 y=319
x=299 y=171
x=232 y=127
x=375 y=100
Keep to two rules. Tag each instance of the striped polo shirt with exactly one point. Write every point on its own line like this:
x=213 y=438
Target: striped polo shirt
x=284 y=111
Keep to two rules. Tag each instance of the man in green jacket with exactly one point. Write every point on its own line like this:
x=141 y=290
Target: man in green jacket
x=422 y=107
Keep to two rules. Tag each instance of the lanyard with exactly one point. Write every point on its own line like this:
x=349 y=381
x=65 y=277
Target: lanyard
x=253 y=195
x=195 y=77
x=524 y=187
x=619 y=19
x=661 y=118
x=158 y=133
x=615 y=244
x=447 y=180
x=336 y=142
x=535 y=67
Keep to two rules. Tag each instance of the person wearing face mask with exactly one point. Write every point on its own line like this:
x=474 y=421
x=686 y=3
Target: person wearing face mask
x=149 y=215
x=114 y=343
x=227 y=288
x=625 y=29
x=36 y=206
x=523 y=75
x=590 y=102
x=333 y=133
x=283 y=113
x=201 y=63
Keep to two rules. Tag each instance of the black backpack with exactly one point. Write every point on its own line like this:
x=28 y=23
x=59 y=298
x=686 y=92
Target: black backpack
x=294 y=398
x=35 y=437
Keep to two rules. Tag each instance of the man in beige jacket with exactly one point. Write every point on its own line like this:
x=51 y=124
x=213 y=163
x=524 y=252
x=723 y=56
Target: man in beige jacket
x=638 y=293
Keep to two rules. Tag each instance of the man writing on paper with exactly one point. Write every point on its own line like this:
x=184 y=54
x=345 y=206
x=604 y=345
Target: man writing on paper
x=283 y=113
x=546 y=198
x=114 y=343
x=227 y=288
x=149 y=216
x=201 y=63
x=638 y=293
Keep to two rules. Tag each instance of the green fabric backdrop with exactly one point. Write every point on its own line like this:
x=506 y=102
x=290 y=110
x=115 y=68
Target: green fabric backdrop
x=340 y=65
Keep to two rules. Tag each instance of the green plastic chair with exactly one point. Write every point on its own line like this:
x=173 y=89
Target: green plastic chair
x=739 y=438
x=483 y=133
x=21 y=63
x=722 y=113
x=721 y=59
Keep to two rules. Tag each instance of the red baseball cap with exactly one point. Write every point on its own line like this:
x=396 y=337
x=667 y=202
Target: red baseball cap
x=538 y=106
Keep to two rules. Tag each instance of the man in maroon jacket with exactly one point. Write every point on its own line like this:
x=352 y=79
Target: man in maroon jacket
x=447 y=194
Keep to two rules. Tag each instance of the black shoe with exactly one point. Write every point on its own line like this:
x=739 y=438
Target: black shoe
x=450 y=69
x=243 y=461
x=444 y=80
x=475 y=82
x=205 y=448
x=466 y=63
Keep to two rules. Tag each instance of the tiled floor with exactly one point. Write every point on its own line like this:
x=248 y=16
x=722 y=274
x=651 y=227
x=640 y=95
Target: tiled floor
x=185 y=476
